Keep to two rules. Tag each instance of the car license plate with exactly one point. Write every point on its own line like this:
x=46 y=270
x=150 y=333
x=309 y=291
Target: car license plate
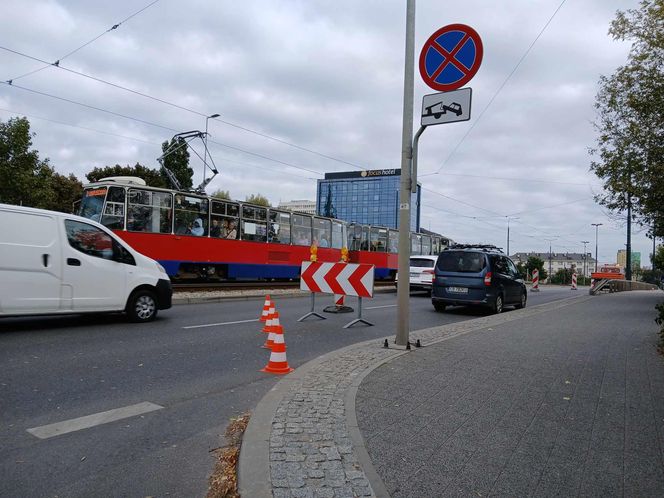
x=458 y=290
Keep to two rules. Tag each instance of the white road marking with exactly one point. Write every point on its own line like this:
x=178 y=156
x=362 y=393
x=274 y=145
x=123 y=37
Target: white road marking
x=77 y=424
x=377 y=307
x=222 y=323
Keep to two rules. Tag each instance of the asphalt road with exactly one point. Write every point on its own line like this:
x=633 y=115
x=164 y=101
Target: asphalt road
x=192 y=362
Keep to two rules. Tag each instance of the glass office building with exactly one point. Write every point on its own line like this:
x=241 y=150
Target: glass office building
x=368 y=197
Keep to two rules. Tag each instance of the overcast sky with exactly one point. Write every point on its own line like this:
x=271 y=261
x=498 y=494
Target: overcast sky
x=327 y=76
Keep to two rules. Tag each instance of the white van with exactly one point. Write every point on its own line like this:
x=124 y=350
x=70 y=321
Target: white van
x=52 y=263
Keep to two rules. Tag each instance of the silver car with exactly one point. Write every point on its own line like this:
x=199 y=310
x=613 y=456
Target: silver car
x=421 y=272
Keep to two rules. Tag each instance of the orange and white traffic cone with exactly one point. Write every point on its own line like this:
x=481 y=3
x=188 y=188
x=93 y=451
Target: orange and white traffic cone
x=275 y=328
x=270 y=315
x=266 y=309
x=278 y=363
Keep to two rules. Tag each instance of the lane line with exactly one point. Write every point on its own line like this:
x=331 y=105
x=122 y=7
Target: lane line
x=222 y=323
x=77 y=424
x=377 y=307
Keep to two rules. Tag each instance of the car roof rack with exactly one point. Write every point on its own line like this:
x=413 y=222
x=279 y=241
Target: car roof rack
x=483 y=247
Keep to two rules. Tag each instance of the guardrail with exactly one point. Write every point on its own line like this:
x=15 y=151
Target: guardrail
x=619 y=286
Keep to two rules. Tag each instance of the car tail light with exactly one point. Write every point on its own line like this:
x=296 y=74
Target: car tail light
x=487 y=278
x=430 y=272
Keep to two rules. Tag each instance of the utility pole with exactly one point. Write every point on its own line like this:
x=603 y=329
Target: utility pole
x=596 y=225
x=585 y=258
x=403 y=285
x=550 y=267
x=628 y=260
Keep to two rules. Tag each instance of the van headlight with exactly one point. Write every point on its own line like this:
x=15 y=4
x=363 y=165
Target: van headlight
x=160 y=268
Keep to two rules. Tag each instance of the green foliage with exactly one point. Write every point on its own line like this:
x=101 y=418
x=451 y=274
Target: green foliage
x=521 y=268
x=535 y=262
x=151 y=176
x=27 y=180
x=660 y=321
x=652 y=276
x=562 y=277
x=629 y=154
x=178 y=162
x=222 y=194
x=259 y=200
x=658 y=260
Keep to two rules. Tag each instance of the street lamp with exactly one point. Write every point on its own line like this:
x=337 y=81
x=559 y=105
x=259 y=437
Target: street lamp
x=596 y=225
x=550 y=270
x=208 y=118
x=508 y=232
x=585 y=257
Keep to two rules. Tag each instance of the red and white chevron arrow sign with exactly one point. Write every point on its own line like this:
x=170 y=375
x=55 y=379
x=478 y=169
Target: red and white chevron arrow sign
x=349 y=279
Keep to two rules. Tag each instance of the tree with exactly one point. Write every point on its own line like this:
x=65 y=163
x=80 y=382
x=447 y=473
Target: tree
x=329 y=210
x=259 y=200
x=27 y=180
x=178 y=162
x=151 y=176
x=658 y=260
x=66 y=190
x=535 y=262
x=563 y=276
x=521 y=268
x=22 y=173
x=629 y=155
x=222 y=194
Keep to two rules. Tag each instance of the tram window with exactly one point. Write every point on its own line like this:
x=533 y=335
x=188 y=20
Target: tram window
x=280 y=228
x=191 y=215
x=114 y=210
x=393 y=241
x=355 y=237
x=322 y=232
x=254 y=226
x=224 y=219
x=301 y=230
x=149 y=211
x=364 y=245
x=426 y=245
x=378 y=239
x=337 y=235
x=415 y=243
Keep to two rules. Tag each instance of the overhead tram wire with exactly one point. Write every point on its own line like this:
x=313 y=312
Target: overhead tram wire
x=132 y=118
x=57 y=62
x=183 y=108
x=500 y=88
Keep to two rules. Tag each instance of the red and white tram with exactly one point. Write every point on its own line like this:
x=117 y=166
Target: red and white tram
x=196 y=236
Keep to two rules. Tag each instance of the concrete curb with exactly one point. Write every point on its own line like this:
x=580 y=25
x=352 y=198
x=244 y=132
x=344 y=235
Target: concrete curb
x=254 y=472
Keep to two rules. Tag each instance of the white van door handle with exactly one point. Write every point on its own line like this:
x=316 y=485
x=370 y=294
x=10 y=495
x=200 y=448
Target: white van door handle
x=73 y=262
x=45 y=259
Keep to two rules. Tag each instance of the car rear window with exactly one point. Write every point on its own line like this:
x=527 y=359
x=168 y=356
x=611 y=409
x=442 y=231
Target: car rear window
x=422 y=263
x=461 y=261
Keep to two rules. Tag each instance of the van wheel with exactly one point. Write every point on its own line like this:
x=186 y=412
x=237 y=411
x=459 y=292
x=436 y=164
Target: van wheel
x=142 y=306
x=522 y=303
x=439 y=307
x=498 y=304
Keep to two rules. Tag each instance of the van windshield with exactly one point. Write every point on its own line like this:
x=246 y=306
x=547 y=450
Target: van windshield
x=461 y=261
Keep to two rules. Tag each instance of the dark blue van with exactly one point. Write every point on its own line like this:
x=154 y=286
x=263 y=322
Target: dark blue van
x=477 y=275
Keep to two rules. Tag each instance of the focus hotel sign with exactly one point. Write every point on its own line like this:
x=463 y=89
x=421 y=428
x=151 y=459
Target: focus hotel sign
x=370 y=173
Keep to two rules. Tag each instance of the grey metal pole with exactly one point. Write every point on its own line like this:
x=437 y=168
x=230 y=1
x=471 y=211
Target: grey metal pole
x=596 y=225
x=508 y=236
x=585 y=258
x=403 y=286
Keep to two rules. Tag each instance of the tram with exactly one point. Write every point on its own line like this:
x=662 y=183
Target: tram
x=194 y=236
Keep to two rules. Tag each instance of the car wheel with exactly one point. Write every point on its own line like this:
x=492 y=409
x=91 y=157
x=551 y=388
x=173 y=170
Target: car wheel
x=498 y=304
x=439 y=307
x=142 y=306
x=522 y=303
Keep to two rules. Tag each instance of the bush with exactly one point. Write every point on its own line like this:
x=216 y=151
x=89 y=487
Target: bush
x=660 y=321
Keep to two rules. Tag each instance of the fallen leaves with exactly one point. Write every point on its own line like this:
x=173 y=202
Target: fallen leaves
x=223 y=481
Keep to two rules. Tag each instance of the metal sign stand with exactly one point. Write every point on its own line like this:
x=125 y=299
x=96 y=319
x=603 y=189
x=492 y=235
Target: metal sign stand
x=359 y=316
x=312 y=312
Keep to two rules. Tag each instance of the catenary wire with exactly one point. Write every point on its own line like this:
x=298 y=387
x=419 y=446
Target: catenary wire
x=523 y=57
x=57 y=62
